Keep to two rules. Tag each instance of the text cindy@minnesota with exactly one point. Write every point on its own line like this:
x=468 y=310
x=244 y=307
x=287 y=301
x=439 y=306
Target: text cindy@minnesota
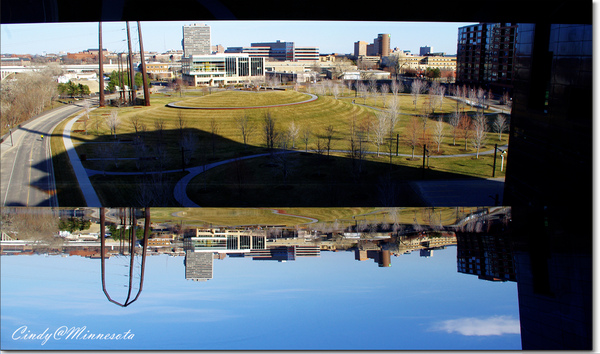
x=66 y=333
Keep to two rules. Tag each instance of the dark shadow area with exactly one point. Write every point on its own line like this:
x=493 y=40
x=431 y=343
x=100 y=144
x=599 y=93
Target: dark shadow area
x=156 y=160
x=550 y=260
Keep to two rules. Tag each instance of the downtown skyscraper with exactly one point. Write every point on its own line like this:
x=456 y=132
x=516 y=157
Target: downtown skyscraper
x=196 y=40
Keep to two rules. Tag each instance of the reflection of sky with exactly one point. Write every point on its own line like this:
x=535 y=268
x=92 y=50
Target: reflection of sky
x=329 y=302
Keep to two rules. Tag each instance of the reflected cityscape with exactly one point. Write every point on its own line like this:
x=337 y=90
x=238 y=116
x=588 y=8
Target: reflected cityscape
x=554 y=285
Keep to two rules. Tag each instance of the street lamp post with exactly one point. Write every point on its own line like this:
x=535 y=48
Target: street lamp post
x=502 y=153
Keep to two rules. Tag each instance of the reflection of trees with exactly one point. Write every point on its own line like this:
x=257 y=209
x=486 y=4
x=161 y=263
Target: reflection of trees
x=128 y=235
x=37 y=224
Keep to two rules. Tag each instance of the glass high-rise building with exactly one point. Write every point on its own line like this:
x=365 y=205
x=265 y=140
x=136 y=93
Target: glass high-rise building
x=196 y=40
x=485 y=55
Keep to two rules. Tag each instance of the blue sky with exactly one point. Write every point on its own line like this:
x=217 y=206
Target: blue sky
x=330 y=302
x=329 y=36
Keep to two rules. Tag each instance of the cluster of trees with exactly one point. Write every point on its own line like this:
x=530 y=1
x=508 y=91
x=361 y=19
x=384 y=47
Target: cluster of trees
x=27 y=95
x=73 y=90
x=121 y=78
x=73 y=224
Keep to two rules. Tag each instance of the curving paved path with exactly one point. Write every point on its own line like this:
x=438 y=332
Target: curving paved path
x=180 y=193
x=312 y=98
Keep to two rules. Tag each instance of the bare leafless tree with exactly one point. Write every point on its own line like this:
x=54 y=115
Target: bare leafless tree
x=397 y=87
x=416 y=89
x=500 y=125
x=180 y=123
x=392 y=117
x=269 y=132
x=438 y=133
x=380 y=129
x=214 y=131
x=113 y=121
x=464 y=127
x=135 y=122
x=245 y=126
x=306 y=134
x=329 y=133
x=454 y=120
x=87 y=107
x=385 y=89
x=479 y=132
x=159 y=127
x=188 y=144
x=357 y=150
x=154 y=190
x=142 y=154
x=412 y=134
x=373 y=91
x=336 y=88
x=293 y=133
x=362 y=91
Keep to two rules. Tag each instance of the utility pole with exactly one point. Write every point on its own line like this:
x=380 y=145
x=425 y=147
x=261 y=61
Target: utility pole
x=121 y=81
x=101 y=65
x=495 y=154
x=131 y=75
x=144 y=79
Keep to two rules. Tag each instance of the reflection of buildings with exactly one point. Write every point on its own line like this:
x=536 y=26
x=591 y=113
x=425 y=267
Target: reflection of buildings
x=381 y=257
x=285 y=253
x=551 y=136
x=485 y=55
x=427 y=252
x=198 y=265
x=490 y=257
x=225 y=241
x=380 y=251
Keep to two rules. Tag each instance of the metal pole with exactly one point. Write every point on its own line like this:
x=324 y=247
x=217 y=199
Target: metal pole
x=131 y=75
x=397 y=143
x=495 y=154
x=101 y=65
x=502 y=165
x=144 y=78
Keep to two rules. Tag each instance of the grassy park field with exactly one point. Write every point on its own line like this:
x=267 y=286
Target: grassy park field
x=289 y=217
x=147 y=139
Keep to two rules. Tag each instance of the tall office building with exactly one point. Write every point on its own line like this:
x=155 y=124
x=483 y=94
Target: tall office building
x=380 y=47
x=549 y=184
x=485 y=55
x=196 y=40
x=382 y=44
x=426 y=50
x=360 y=48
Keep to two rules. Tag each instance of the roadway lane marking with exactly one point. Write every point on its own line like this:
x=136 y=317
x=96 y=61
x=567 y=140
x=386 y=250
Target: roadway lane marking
x=29 y=182
x=10 y=178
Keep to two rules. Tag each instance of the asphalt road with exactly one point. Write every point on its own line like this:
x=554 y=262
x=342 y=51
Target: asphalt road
x=26 y=168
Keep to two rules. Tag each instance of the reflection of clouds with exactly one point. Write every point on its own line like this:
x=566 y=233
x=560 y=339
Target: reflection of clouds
x=470 y=326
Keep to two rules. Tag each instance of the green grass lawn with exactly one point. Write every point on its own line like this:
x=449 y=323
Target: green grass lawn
x=68 y=192
x=245 y=99
x=228 y=142
x=342 y=217
x=308 y=180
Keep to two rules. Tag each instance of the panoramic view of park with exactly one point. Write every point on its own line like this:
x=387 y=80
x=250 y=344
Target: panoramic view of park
x=315 y=144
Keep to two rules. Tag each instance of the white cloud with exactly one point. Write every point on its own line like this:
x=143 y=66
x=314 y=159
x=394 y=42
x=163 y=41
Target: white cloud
x=470 y=326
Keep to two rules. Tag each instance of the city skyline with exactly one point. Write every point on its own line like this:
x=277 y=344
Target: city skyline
x=329 y=36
